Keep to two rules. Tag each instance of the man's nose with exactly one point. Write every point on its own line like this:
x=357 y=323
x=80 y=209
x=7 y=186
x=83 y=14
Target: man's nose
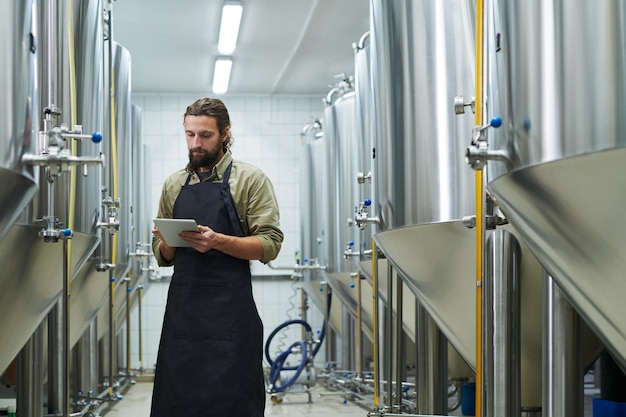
x=195 y=141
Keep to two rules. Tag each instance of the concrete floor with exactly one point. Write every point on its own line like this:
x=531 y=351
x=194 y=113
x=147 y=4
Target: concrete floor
x=136 y=403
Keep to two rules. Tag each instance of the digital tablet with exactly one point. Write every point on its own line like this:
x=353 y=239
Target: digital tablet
x=170 y=228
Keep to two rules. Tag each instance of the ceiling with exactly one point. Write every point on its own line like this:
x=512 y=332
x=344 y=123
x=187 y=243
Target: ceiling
x=284 y=46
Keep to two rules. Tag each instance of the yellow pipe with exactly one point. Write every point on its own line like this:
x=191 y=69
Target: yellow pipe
x=375 y=322
x=479 y=211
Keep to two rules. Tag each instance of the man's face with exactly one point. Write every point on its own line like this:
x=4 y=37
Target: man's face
x=203 y=141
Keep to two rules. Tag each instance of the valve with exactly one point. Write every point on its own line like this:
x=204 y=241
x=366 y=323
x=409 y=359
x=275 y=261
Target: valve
x=349 y=252
x=477 y=153
x=361 y=217
x=50 y=233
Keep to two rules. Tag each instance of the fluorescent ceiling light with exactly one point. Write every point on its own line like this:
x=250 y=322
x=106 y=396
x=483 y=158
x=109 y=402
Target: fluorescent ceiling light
x=221 y=75
x=229 y=27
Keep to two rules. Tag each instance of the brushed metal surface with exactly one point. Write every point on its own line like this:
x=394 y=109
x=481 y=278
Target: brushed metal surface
x=17 y=120
x=31 y=282
x=457 y=367
x=437 y=262
x=422 y=56
x=568 y=209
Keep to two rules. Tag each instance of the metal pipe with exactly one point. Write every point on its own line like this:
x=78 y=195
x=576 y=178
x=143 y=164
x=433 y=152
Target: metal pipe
x=139 y=324
x=502 y=330
x=30 y=376
x=563 y=370
x=114 y=191
x=431 y=378
x=388 y=331
x=375 y=338
x=55 y=360
x=65 y=323
x=128 y=290
x=359 y=328
x=399 y=343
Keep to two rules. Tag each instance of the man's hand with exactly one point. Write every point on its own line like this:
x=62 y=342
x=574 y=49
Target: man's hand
x=167 y=252
x=203 y=240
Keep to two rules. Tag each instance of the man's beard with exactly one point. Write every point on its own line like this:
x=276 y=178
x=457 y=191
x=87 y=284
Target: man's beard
x=207 y=159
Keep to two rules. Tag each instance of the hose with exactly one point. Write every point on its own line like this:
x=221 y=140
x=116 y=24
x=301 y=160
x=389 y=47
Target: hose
x=278 y=365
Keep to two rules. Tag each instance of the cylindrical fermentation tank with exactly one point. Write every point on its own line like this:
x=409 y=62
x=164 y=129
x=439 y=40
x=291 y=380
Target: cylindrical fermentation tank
x=423 y=57
x=313 y=180
x=340 y=135
x=18 y=109
x=557 y=80
x=89 y=288
x=362 y=148
x=121 y=179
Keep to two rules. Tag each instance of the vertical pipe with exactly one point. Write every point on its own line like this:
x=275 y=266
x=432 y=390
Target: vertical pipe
x=562 y=354
x=399 y=343
x=30 y=376
x=431 y=381
x=114 y=191
x=502 y=331
x=388 y=331
x=346 y=335
x=359 y=328
x=65 y=323
x=128 y=290
x=375 y=326
x=480 y=198
x=140 y=321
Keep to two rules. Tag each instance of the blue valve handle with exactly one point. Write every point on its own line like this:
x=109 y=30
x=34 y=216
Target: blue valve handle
x=67 y=232
x=496 y=122
x=367 y=202
x=96 y=137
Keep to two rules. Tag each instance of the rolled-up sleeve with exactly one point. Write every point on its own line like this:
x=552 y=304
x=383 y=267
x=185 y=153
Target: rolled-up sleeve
x=262 y=215
x=169 y=194
x=257 y=206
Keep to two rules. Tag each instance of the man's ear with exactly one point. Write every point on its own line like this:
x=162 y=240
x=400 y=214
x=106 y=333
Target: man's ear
x=225 y=135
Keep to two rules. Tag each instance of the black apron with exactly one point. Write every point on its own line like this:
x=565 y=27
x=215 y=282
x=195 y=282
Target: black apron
x=210 y=355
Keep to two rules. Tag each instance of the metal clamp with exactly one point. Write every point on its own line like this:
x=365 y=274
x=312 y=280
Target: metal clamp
x=460 y=104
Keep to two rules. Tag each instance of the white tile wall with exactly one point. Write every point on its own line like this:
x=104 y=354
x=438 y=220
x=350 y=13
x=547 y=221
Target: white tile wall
x=266 y=130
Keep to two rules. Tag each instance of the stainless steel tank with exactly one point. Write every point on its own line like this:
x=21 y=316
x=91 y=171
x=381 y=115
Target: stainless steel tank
x=118 y=181
x=141 y=207
x=313 y=180
x=557 y=80
x=362 y=148
x=33 y=278
x=423 y=56
x=90 y=286
x=18 y=109
x=122 y=179
x=340 y=133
